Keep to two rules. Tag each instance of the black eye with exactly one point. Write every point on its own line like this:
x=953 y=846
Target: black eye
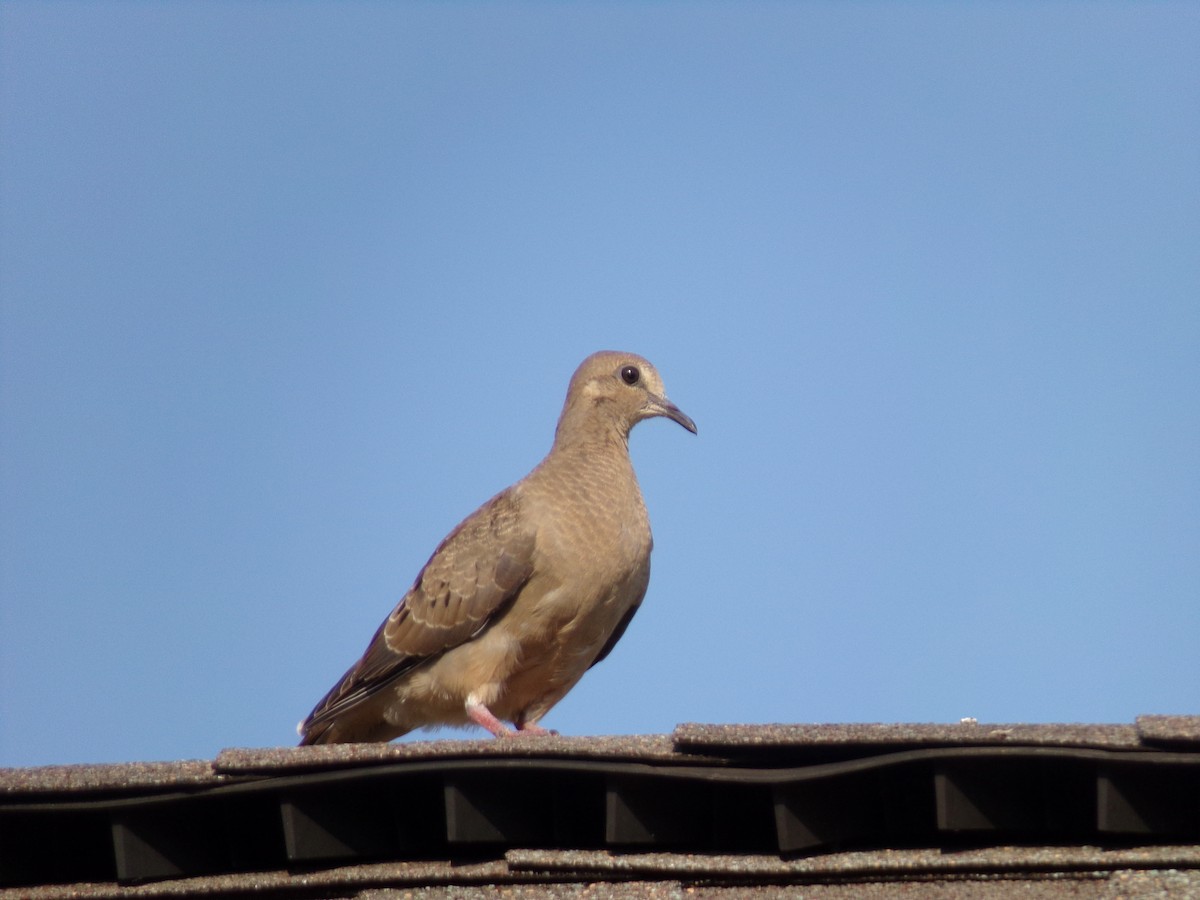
x=630 y=374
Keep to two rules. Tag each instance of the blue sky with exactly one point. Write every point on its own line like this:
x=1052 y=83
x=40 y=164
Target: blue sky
x=286 y=290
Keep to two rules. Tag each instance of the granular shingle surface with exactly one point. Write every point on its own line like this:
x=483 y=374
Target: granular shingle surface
x=323 y=756
x=1171 y=730
x=690 y=736
x=116 y=777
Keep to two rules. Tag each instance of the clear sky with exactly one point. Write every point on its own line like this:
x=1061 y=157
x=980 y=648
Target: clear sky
x=286 y=290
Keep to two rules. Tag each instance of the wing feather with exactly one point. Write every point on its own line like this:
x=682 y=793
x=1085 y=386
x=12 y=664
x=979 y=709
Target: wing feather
x=471 y=577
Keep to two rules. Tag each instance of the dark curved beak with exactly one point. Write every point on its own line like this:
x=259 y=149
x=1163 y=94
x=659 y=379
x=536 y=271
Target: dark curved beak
x=664 y=407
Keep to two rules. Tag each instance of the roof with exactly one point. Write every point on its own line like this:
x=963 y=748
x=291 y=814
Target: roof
x=1059 y=807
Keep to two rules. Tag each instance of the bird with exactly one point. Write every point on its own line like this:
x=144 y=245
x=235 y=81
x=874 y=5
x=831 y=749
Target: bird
x=528 y=592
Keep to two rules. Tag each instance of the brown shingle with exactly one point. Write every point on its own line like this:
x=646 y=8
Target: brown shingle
x=714 y=738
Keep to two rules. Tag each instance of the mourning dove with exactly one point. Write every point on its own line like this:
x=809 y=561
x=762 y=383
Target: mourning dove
x=528 y=592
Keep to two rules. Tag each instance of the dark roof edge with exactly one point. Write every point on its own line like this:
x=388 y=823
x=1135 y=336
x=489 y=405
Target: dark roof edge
x=689 y=744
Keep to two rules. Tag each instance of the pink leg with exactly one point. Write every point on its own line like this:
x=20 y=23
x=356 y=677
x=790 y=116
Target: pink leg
x=481 y=715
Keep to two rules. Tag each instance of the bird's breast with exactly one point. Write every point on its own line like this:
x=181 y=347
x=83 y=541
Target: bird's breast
x=603 y=541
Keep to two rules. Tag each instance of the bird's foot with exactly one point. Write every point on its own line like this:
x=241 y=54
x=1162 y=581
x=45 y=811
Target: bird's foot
x=533 y=728
x=481 y=715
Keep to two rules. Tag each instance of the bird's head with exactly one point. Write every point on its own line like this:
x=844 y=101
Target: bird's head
x=614 y=390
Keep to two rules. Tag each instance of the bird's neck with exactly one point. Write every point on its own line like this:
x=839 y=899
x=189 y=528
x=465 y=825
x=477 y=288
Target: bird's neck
x=597 y=471
x=590 y=446
x=591 y=449
x=590 y=428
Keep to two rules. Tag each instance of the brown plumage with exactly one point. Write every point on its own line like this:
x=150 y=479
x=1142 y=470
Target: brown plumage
x=528 y=592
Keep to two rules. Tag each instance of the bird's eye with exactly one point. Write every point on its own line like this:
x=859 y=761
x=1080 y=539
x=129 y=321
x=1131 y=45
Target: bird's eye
x=630 y=374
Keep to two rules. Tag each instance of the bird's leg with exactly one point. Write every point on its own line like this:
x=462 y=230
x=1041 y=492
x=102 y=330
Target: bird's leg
x=481 y=715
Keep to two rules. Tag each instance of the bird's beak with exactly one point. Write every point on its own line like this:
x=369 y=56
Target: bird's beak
x=661 y=406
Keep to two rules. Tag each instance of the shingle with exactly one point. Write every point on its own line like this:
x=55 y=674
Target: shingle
x=854 y=864
x=338 y=881
x=107 y=777
x=281 y=760
x=1176 y=731
x=693 y=737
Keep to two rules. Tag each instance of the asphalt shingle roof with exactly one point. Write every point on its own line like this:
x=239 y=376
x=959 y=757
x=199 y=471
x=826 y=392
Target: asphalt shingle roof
x=1063 y=808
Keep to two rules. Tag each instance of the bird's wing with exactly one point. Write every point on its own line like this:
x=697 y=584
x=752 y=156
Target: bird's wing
x=472 y=576
x=638 y=592
x=617 y=633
